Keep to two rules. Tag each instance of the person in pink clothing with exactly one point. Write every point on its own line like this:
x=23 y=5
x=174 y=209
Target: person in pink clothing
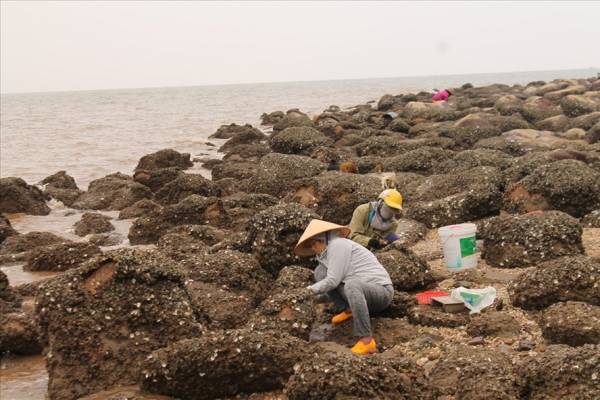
x=441 y=95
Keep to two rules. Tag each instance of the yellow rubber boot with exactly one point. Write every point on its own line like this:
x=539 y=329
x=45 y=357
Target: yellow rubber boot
x=363 y=349
x=341 y=317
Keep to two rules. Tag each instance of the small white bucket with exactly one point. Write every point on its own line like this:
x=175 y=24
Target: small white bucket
x=460 y=246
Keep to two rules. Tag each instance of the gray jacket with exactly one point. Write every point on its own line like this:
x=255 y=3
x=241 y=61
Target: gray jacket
x=345 y=261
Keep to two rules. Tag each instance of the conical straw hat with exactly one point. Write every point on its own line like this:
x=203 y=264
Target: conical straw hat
x=315 y=227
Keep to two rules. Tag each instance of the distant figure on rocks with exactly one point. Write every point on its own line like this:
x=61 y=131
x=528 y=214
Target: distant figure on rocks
x=441 y=95
x=348 y=275
x=374 y=224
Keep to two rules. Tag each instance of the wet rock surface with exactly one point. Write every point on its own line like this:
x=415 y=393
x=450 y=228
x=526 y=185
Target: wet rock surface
x=298 y=140
x=16 y=196
x=60 y=257
x=573 y=323
x=28 y=241
x=184 y=186
x=164 y=159
x=222 y=364
x=157 y=178
x=61 y=187
x=93 y=223
x=522 y=240
x=592 y=219
x=113 y=192
x=567 y=278
x=229 y=131
x=113 y=312
x=19 y=333
x=9 y=300
x=139 y=209
x=6 y=229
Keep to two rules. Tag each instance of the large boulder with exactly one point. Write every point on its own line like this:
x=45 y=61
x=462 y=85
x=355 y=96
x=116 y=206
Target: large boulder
x=518 y=142
x=569 y=90
x=226 y=286
x=331 y=375
x=293 y=118
x=157 y=178
x=184 y=186
x=568 y=278
x=417 y=111
x=576 y=105
x=60 y=257
x=61 y=187
x=164 y=159
x=334 y=196
x=472 y=128
x=113 y=192
x=271 y=118
x=574 y=323
x=558 y=123
x=247 y=152
x=586 y=121
x=538 y=108
x=468 y=159
x=276 y=173
x=455 y=198
x=508 y=104
x=101 y=321
x=287 y=309
x=231 y=130
x=390 y=146
x=93 y=223
x=16 y=196
x=523 y=240
x=243 y=206
x=193 y=209
x=9 y=300
x=272 y=234
x=238 y=170
x=561 y=372
x=222 y=364
x=423 y=160
x=6 y=229
x=552 y=186
x=298 y=140
x=593 y=134
x=407 y=270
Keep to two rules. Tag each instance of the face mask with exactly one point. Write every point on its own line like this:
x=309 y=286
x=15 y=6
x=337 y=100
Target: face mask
x=386 y=212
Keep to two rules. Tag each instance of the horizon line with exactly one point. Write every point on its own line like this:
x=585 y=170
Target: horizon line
x=296 y=81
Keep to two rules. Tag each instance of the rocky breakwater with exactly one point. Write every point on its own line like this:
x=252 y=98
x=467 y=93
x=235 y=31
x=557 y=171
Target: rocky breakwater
x=213 y=306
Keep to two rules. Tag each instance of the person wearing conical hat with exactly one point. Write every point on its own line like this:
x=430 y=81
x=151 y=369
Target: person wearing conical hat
x=374 y=224
x=349 y=275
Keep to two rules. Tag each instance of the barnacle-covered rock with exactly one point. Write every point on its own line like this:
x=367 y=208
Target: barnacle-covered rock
x=273 y=233
x=276 y=173
x=538 y=108
x=390 y=146
x=222 y=364
x=93 y=223
x=329 y=376
x=16 y=196
x=9 y=300
x=231 y=130
x=553 y=186
x=184 y=186
x=422 y=160
x=522 y=240
x=60 y=256
x=102 y=320
x=19 y=333
x=576 y=105
x=568 y=278
x=435 y=316
x=574 y=323
x=561 y=372
x=247 y=136
x=287 y=309
x=193 y=209
x=28 y=241
x=592 y=219
x=298 y=140
x=139 y=209
x=61 y=187
x=6 y=229
x=334 y=196
x=407 y=270
x=113 y=192
x=293 y=118
x=157 y=178
x=164 y=159
x=493 y=323
x=468 y=159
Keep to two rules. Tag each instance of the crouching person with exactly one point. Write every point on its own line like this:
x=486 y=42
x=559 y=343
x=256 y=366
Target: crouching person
x=350 y=276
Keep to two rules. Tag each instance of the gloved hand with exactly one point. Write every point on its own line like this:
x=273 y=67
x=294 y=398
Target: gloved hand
x=377 y=243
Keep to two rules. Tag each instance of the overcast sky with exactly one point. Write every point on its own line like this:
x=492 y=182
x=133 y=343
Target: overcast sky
x=100 y=45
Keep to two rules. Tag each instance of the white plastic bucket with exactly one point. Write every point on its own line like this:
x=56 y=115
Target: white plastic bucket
x=459 y=245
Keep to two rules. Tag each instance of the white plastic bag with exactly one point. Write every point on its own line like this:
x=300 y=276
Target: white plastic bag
x=474 y=299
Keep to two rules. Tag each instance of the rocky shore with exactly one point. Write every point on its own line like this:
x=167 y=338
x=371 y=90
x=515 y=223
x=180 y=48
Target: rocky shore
x=203 y=300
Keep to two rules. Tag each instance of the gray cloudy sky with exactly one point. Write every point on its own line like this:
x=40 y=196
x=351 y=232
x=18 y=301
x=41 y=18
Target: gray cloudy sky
x=48 y=46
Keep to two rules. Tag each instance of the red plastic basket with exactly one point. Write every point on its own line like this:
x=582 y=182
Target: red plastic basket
x=425 y=297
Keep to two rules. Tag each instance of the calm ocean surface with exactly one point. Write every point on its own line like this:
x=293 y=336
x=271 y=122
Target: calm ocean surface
x=93 y=133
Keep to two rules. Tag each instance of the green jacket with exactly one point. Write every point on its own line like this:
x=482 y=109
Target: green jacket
x=361 y=230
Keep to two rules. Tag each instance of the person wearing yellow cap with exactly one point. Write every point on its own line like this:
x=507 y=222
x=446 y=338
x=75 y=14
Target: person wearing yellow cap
x=374 y=224
x=349 y=275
